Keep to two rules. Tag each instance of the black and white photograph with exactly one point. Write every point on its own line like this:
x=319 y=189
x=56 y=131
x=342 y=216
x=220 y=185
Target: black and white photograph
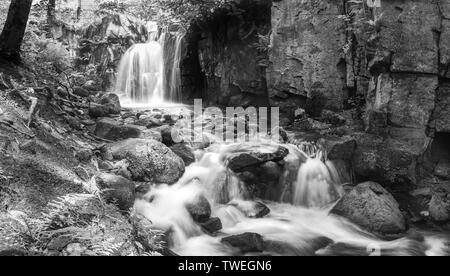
x=237 y=131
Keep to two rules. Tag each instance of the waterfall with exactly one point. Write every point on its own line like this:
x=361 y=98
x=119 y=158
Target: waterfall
x=149 y=73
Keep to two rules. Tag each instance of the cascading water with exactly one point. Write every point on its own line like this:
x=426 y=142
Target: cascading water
x=300 y=227
x=149 y=73
x=141 y=75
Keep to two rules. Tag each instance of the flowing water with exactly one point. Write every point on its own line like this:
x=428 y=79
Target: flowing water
x=149 y=73
x=300 y=227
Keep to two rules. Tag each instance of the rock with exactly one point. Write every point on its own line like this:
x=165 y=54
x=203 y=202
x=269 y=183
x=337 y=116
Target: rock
x=247 y=242
x=442 y=170
x=98 y=110
x=73 y=122
x=309 y=124
x=185 y=152
x=107 y=104
x=212 y=225
x=370 y=206
x=149 y=160
x=251 y=209
x=439 y=206
x=339 y=148
x=59 y=243
x=200 y=209
x=80 y=91
x=238 y=162
x=333 y=118
x=112 y=130
x=105 y=165
x=154 y=123
x=116 y=189
x=91 y=85
x=166 y=134
x=299 y=114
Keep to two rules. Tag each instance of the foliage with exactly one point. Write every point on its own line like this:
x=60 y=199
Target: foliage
x=76 y=224
x=315 y=103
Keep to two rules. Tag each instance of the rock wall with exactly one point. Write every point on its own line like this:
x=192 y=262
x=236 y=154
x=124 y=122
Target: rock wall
x=307 y=43
x=407 y=104
x=230 y=65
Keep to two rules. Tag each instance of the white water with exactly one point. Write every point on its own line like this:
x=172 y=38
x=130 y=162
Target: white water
x=140 y=79
x=143 y=80
x=301 y=227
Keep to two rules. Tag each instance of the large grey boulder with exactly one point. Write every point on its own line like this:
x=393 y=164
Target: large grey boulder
x=149 y=160
x=373 y=208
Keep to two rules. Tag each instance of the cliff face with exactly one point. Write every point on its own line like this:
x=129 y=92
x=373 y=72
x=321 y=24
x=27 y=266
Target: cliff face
x=398 y=62
x=307 y=43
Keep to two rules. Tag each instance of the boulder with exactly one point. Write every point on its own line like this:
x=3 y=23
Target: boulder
x=333 y=118
x=370 y=206
x=239 y=161
x=80 y=91
x=200 y=209
x=112 y=102
x=246 y=243
x=339 y=147
x=91 y=85
x=212 y=225
x=185 y=152
x=112 y=130
x=149 y=160
x=116 y=189
x=166 y=134
x=439 y=206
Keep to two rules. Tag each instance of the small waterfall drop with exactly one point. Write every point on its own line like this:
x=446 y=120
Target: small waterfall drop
x=149 y=73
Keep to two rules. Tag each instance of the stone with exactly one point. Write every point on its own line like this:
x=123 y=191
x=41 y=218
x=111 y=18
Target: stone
x=310 y=124
x=251 y=209
x=212 y=225
x=439 y=206
x=442 y=111
x=246 y=243
x=299 y=114
x=442 y=170
x=91 y=85
x=112 y=130
x=111 y=102
x=149 y=160
x=116 y=189
x=185 y=152
x=238 y=162
x=333 y=118
x=98 y=110
x=199 y=209
x=373 y=208
x=80 y=91
x=339 y=147
x=166 y=134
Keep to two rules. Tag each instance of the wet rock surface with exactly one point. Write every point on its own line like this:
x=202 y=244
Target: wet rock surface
x=246 y=243
x=370 y=206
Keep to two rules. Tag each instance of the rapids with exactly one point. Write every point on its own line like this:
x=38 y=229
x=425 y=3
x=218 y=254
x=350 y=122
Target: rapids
x=300 y=227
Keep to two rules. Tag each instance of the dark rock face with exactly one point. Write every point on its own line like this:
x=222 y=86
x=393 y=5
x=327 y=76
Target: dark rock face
x=230 y=64
x=246 y=243
x=185 y=152
x=372 y=207
x=200 y=209
x=149 y=160
x=116 y=189
x=112 y=130
x=308 y=38
x=240 y=161
x=212 y=225
x=439 y=206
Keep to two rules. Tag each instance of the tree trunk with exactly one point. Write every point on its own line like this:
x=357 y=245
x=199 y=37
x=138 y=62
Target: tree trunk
x=51 y=12
x=12 y=35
